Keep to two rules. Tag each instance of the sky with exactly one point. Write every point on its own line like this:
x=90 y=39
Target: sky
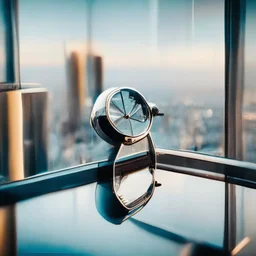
x=123 y=26
x=168 y=44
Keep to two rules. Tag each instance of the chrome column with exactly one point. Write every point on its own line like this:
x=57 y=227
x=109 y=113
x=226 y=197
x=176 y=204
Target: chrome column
x=8 y=231
x=23 y=112
x=9 y=45
x=234 y=86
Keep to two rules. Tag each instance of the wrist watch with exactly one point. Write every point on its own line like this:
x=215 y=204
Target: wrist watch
x=123 y=118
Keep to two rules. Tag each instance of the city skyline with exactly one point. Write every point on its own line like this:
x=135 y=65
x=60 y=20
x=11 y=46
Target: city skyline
x=179 y=65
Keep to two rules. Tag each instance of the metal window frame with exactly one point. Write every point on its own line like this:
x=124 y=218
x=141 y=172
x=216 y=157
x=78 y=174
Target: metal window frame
x=234 y=88
x=10 y=23
x=188 y=163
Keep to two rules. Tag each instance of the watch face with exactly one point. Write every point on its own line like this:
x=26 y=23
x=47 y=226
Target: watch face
x=129 y=113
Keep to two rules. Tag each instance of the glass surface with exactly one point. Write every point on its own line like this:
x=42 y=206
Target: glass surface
x=171 y=51
x=182 y=210
x=246 y=218
x=129 y=113
x=116 y=107
x=249 y=102
x=134 y=186
x=54 y=53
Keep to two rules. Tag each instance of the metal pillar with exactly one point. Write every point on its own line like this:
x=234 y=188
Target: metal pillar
x=234 y=86
x=23 y=112
x=9 y=35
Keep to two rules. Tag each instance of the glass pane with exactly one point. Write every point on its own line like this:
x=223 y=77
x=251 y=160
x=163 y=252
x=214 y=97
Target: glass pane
x=177 y=214
x=53 y=45
x=170 y=51
x=129 y=113
x=116 y=104
x=245 y=218
x=249 y=105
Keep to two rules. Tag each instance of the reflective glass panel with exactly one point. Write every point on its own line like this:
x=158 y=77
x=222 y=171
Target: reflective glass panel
x=249 y=101
x=179 y=213
x=170 y=51
x=54 y=53
x=129 y=113
x=246 y=218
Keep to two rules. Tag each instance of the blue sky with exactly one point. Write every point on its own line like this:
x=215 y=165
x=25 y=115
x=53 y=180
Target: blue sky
x=117 y=20
x=174 y=47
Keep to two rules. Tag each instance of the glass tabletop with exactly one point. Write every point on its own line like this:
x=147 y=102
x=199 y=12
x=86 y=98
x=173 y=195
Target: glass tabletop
x=183 y=209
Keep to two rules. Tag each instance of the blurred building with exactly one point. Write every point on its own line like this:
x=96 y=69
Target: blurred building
x=76 y=89
x=94 y=77
x=98 y=71
x=249 y=124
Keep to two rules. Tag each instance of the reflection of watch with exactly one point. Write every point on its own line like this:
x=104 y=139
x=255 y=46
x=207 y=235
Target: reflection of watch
x=122 y=117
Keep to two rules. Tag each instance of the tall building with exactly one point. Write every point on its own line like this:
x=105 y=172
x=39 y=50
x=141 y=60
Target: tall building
x=76 y=89
x=94 y=76
x=98 y=72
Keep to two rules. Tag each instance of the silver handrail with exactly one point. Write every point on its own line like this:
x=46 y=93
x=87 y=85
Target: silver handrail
x=209 y=167
x=189 y=163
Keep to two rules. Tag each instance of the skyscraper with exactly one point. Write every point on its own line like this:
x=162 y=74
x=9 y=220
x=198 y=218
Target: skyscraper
x=98 y=72
x=76 y=89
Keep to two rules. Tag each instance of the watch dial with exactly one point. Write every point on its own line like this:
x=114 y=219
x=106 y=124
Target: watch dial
x=129 y=112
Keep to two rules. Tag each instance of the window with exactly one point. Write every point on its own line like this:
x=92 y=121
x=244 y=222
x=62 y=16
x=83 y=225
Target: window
x=249 y=100
x=171 y=51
